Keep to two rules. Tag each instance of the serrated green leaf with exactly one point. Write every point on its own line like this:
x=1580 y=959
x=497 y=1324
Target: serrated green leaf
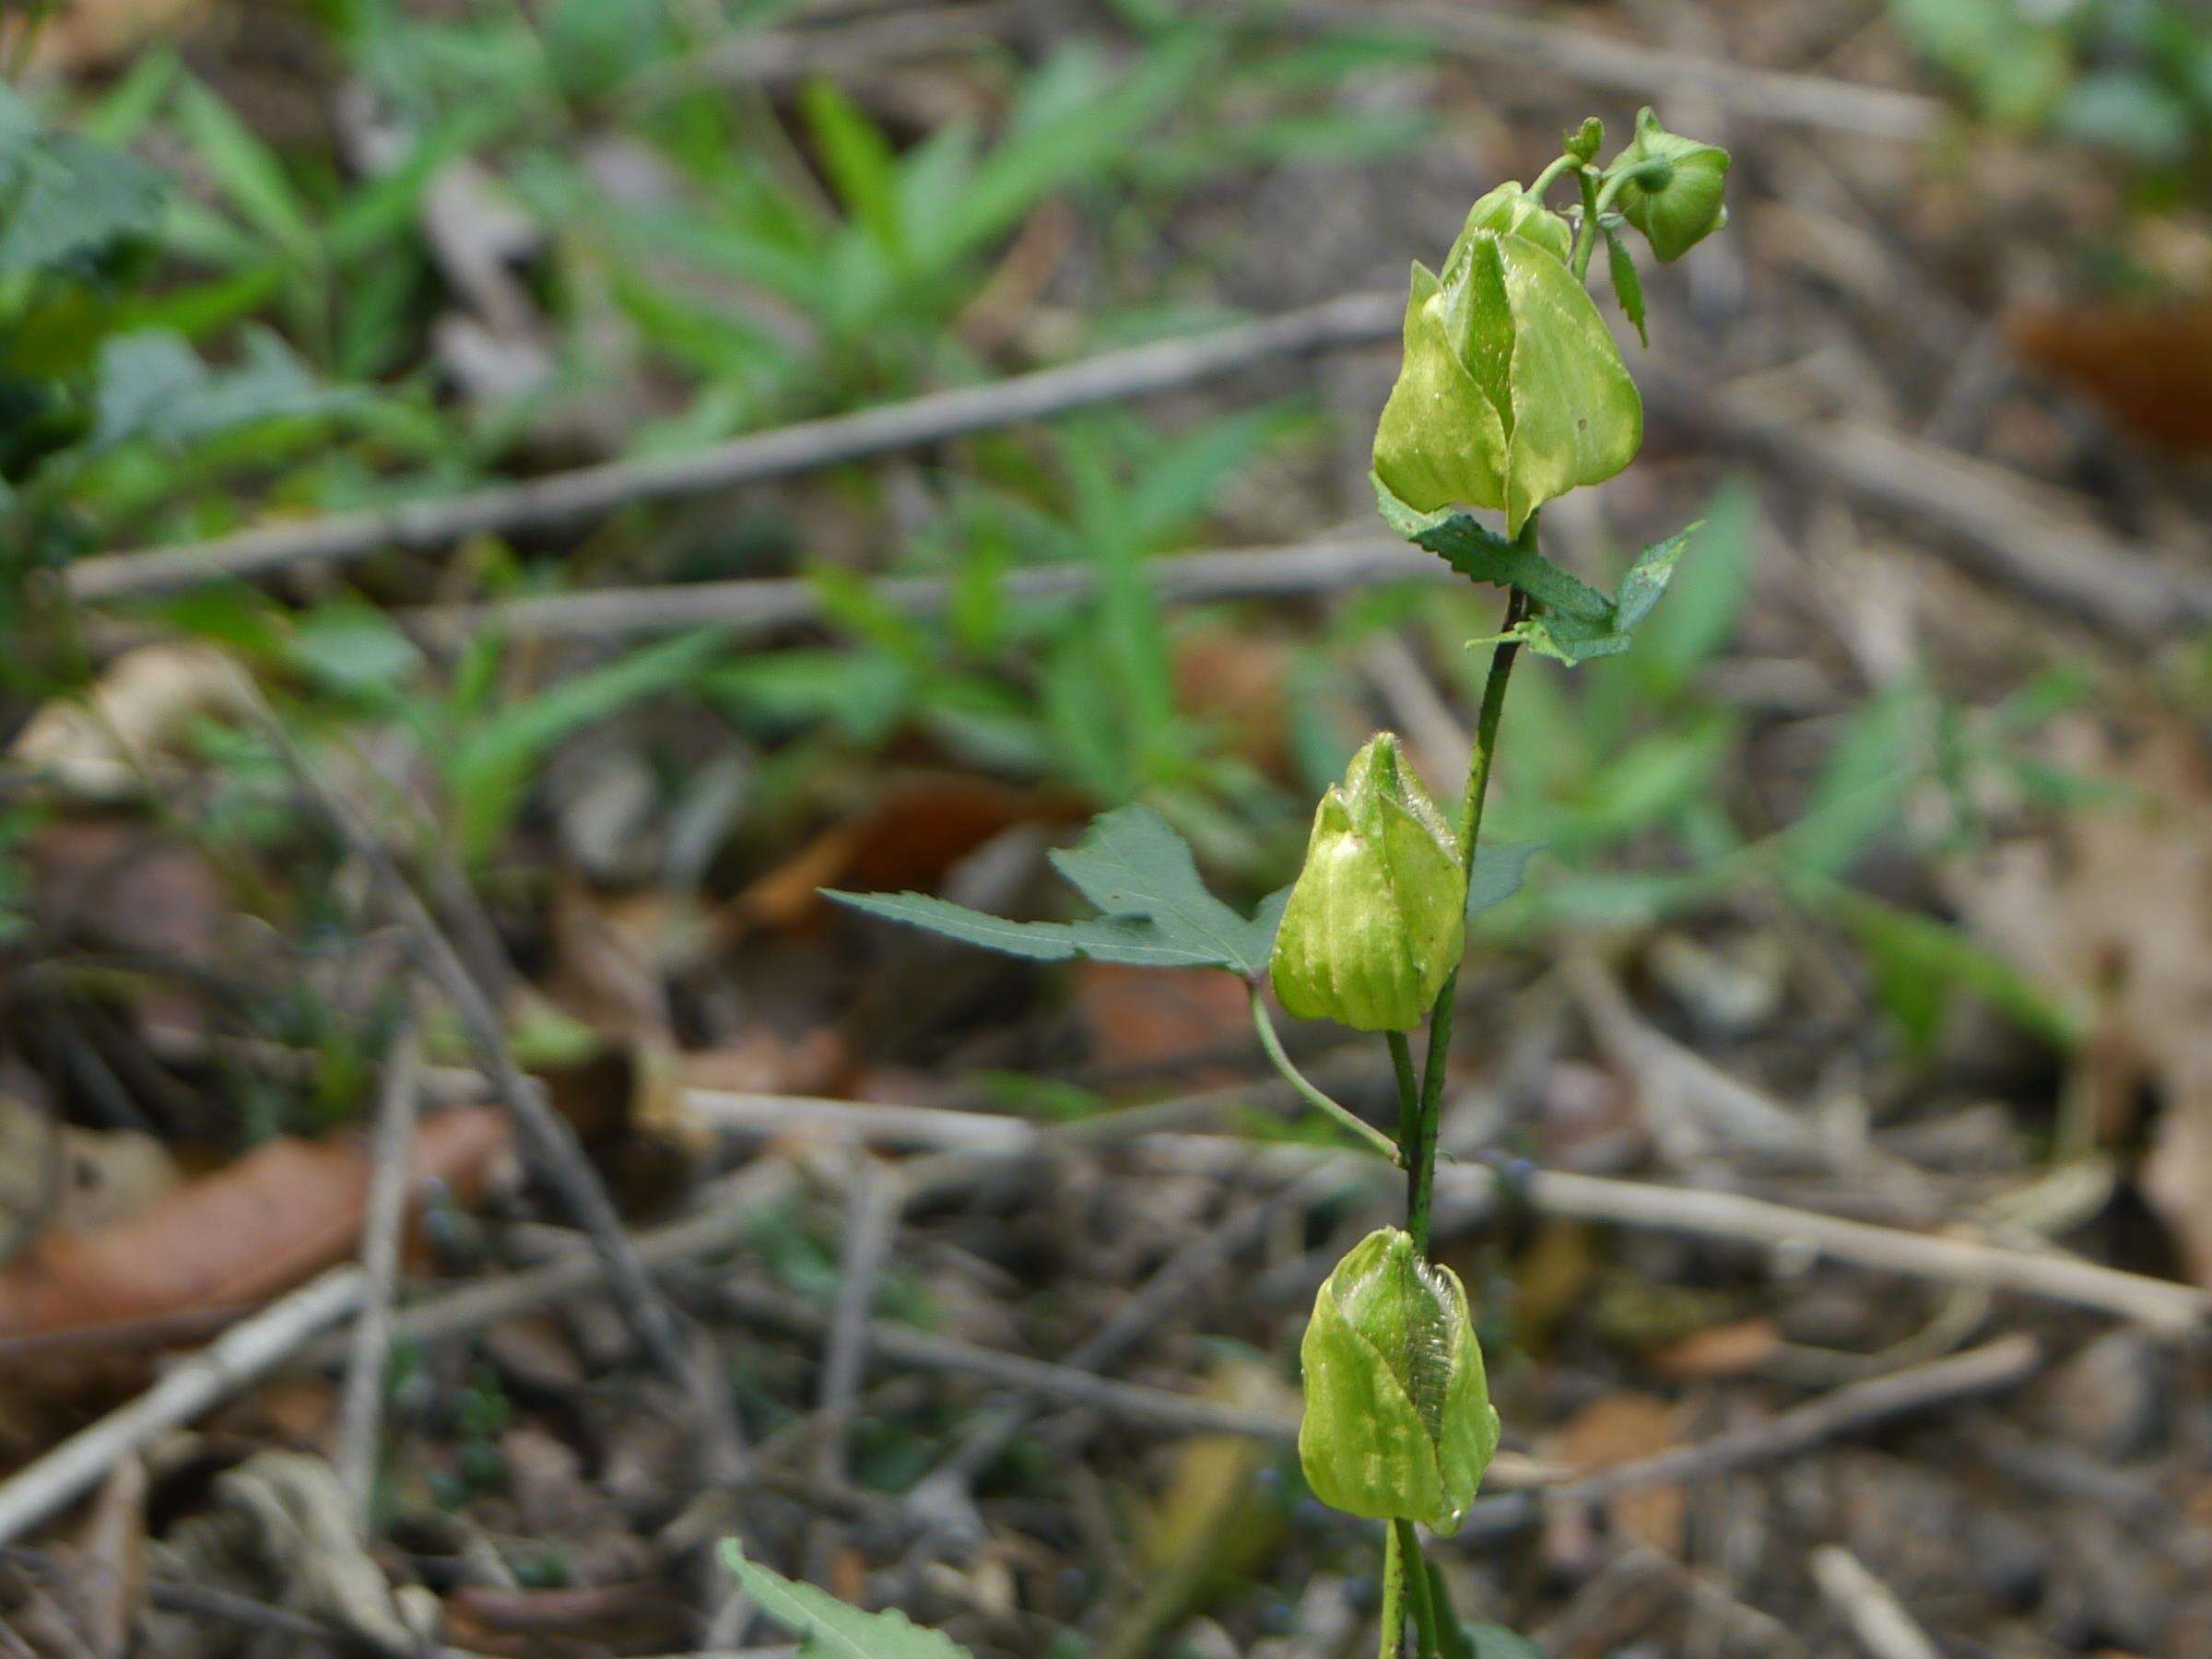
x=1037 y=941
x=1481 y=554
x=1563 y=638
x=1133 y=866
x=63 y=198
x=1628 y=286
x=830 y=1627
x=1647 y=578
x=153 y=385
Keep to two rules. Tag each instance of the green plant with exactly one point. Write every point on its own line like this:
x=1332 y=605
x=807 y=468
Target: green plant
x=1511 y=393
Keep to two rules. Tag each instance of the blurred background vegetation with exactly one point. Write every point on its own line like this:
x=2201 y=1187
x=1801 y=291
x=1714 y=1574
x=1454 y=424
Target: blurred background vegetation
x=1883 y=812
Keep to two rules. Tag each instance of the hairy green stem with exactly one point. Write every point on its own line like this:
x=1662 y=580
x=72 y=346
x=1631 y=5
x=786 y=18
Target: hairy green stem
x=1310 y=1092
x=1420 y=1147
x=1427 y=1636
x=1549 y=176
x=1394 y=1592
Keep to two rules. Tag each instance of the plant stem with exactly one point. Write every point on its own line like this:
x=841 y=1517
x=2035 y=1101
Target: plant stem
x=1549 y=176
x=1596 y=201
x=1311 y=1093
x=1420 y=1144
x=1428 y=1639
x=1409 y=1087
x=1394 y=1592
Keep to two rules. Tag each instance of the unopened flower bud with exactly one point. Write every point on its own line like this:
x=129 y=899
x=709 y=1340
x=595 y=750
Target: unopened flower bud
x=1511 y=391
x=1510 y=211
x=1675 y=197
x=1398 y=1422
x=1378 y=917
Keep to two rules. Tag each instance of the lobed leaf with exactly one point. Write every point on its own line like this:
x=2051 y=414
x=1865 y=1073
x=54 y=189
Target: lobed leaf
x=830 y=1628
x=1133 y=866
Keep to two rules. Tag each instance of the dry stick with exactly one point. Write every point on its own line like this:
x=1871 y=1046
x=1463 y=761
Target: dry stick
x=2004 y=528
x=1585 y=55
x=546 y=1138
x=872 y=1224
x=589 y=491
x=765 y=605
x=1876 y=1616
x=1176 y=1278
x=42 y=1489
x=2045 y=1275
x=1986 y=1370
x=360 y=1411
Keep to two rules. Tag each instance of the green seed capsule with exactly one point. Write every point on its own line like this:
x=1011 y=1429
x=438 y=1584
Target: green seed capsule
x=1511 y=391
x=1378 y=917
x=1682 y=204
x=1398 y=1422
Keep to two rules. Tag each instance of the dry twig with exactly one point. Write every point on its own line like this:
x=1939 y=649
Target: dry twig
x=768 y=603
x=360 y=1410
x=1877 y=1618
x=42 y=1489
x=2045 y=1275
x=586 y=492
x=1598 y=60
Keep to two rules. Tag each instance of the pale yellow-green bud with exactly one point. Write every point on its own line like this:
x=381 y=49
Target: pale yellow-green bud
x=1378 y=917
x=1681 y=206
x=1511 y=390
x=1398 y=1422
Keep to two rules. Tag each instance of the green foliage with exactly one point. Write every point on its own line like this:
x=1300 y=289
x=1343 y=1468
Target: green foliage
x=1576 y=622
x=2130 y=77
x=828 y=1629
x=1139 y=873
x=64 y=202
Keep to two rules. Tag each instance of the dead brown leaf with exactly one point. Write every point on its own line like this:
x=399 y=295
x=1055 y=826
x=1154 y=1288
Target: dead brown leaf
x=911 y=832
x=2149 y=365
x=235 y=1238
x=1623 y=1428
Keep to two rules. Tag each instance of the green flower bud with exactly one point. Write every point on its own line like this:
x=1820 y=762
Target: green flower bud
x=1681 y=206
x=1582 y=143
x=1377 y=918
x=1510 y=211
x=1398 y=1422
x=1512 y=390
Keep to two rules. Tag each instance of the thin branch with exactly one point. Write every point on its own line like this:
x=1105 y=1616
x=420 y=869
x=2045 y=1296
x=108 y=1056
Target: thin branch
x=591 y=492
x=765 y=605
x=1599 y=60
x=1869 y=1607
x=41 y=1490
x=1945 y=1259
x=1999 y=1365
x=360 y=1412
x=550 y=1142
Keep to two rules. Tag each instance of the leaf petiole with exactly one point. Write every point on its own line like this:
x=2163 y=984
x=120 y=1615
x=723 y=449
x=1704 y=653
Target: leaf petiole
x=1310 y=1092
